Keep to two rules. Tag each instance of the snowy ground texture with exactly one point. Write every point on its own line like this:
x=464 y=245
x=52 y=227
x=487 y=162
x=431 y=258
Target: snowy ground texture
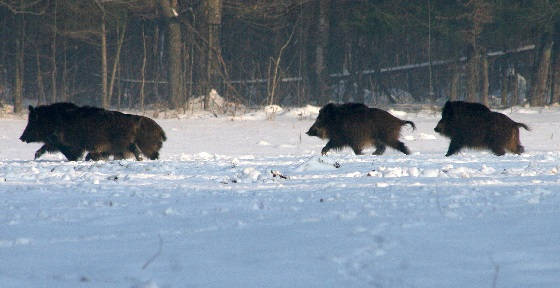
x=248 y=202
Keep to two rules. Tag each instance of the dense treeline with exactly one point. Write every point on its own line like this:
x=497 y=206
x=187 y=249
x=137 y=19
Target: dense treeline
x=164 y=53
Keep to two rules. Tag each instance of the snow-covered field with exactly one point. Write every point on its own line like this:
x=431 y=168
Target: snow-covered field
x=211 y=213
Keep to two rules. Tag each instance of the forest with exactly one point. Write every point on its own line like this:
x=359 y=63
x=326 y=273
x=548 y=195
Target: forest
x=169 y=54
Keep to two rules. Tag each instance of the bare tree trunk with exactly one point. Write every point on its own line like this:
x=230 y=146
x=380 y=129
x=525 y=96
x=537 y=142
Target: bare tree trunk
x=485 y=82
x=53 y=57
x=214 y=19
x=65 y=88
x=143 y=71
x=472 y=68
x=454 y=83
x=321 y=72
x=540 y=75
x=174 y=69
x=505 y=86
x=156 y=55
x=120 y=42
x=3 y=63
x=19 y=65
x=104 y=102
x=41 y=98
x=556 y=65
x=515 y=93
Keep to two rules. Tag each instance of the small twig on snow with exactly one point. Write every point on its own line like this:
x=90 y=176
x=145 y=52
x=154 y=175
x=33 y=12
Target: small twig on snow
x=155 y=255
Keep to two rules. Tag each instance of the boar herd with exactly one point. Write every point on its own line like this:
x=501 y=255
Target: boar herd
x=74 y=130
x=470 y=125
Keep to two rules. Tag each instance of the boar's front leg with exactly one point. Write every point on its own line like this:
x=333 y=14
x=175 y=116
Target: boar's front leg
x=96 y=156
x=45 y=148
x=71 y=153
x=454 y=147
x=330 y=145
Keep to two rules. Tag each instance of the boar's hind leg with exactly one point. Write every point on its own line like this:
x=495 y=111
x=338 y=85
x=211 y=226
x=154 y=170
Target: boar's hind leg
x=357 y=150
x=379 y=148
x=498 y=150
x=136 y=151
x=400 y=146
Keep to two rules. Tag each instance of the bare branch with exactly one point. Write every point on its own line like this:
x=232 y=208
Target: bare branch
x=25 y=8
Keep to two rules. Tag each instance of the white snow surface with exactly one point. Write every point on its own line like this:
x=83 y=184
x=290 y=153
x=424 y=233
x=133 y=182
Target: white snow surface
x=249 y=202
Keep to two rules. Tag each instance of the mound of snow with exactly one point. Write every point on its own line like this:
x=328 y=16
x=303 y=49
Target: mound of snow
x=397 y=113
x=306 y=112
x=217 y=103
x=273 y=109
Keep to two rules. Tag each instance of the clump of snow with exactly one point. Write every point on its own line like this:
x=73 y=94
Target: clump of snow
x=303 y=113
x=430 y=173
x=251 y=174
x=273 y=109
x=217 y=104
x=397 y=113
x=263 y=143
x=425 y=136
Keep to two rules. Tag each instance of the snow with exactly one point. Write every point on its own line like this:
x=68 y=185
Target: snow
x=215 y=212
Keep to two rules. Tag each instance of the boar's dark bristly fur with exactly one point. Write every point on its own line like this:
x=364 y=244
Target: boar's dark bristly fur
x=81 y=129
x=473 y=125
x=39 y=131
x=149 y=137
x=358 y=126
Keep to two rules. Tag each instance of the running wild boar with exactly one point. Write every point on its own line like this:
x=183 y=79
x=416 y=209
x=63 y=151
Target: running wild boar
x=473 y=125
x=358 y=126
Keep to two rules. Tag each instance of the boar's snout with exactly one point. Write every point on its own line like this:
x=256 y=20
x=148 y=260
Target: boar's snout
x=439 y=127
x=312 y=131
x=24 y=137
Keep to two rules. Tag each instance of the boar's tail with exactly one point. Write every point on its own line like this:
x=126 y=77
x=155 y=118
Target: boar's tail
x=409 y=122
x=523 y=125
x=163 y=137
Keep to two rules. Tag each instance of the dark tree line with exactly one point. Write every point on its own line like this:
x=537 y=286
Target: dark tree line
x=132 y=53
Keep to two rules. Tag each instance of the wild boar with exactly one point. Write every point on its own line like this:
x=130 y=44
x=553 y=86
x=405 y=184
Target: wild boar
x=473 y=125
x=358 y=126
x=73 y=131
x=149 y=138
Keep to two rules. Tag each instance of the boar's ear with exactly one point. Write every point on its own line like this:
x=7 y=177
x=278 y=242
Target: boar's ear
x=328 y=108
x=30 y=108
x=447 y=110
